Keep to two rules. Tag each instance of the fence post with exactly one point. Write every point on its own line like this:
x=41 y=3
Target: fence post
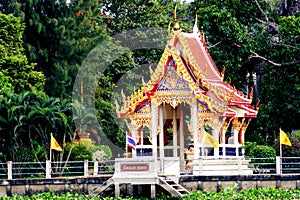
x=96 y=167
x=48 y=169
x=278 y=165
x=9 y=170
x=239 y=165
x=86 y=168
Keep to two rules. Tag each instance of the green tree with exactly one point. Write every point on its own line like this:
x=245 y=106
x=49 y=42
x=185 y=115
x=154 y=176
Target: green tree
x=5 y=86
x=249 y=37
x=58 y=36
x=13 y=62
x=26 y=121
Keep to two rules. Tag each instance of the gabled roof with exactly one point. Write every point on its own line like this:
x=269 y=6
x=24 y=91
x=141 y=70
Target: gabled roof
x=186 y=54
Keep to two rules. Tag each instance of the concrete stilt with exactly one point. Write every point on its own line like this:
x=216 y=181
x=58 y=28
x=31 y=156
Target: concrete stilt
x=153 y=192
x=117 y=190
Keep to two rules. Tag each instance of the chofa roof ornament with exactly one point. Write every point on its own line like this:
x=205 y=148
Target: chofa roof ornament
x=176 y=26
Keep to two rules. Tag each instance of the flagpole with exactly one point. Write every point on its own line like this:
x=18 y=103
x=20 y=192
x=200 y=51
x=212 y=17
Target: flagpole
x=280 y=152
x=126 y=145
x=50 y=149
x=50 y=159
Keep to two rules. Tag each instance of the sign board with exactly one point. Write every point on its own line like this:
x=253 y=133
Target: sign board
x=135 y=167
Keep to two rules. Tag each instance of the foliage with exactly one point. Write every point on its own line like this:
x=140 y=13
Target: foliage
x=86 y=149
x=58 y=36
x=13 y=62
x=261 y=151
x=263 y=157
x=26 y=121
x=252 y=193
x=79 y=152
x=250 y=38
x=232 y=192
x=248 y=146
x=5 y=86
x=107 y=153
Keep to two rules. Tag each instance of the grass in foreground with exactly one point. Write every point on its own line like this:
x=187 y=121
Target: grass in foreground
x=230 y=193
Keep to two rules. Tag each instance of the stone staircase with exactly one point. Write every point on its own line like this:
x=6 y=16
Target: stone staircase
x=105 y=187
x=171 y=185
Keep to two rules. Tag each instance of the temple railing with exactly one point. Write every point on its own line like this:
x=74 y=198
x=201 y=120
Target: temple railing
x=14 y=170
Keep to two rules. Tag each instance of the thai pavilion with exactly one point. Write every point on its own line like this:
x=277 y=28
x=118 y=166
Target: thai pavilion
x=186 y=103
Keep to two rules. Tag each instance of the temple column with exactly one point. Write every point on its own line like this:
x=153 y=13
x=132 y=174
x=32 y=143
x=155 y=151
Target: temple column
x=175 y=154
x=236 y=128
x=223 y=134
x=237 y=125
x=161 y=138
x=243 y=130
x=181 y=135
x=195 y=133
x=217 y=128
x=201 y=134
x=154 y=111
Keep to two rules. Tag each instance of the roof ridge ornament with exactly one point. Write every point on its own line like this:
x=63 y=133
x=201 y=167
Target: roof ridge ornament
x=176 y=26
x=196 y=29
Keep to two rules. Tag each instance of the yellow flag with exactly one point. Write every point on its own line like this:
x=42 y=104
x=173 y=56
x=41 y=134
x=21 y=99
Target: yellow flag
x=284 y=139
x=54 y=144
x=210 y=140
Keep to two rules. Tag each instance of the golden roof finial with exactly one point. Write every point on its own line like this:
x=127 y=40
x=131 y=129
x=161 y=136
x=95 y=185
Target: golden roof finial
x=223 y=72
x=176 y=26
x=175 y=17
x=195 y=29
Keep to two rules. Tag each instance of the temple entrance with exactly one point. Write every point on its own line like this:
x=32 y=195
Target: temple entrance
x=173 y=137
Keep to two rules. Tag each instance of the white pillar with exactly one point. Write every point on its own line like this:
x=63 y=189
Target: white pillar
x=236 y=128
x=117 y=190
x=278 y=165
x=195 y=131
x=86 y=167
x=161 y=138
x=96 y=167
x=48 y=169
x=216 y=136
x=154 y=130
x=9 y=170
x=181 y=140
x=153 y=192
x=175 y=154
x=236 y=136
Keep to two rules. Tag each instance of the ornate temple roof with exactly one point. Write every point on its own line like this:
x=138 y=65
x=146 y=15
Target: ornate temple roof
x=186 y=65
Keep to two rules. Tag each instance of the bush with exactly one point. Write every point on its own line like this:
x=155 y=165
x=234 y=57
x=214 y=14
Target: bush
x=262 y=151
x=79 y=152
